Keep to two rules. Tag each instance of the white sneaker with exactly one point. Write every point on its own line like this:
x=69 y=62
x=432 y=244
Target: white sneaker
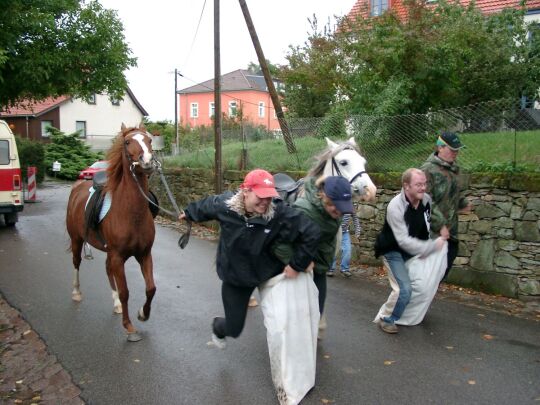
x=219 y=343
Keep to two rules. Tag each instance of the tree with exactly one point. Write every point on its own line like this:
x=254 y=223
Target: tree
x=255 y=69
x=311 y=78
x=441 y=55
x=60 y=47
x=70 y=151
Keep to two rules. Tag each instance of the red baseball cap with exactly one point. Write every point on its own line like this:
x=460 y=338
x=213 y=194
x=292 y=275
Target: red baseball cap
x=261 y=182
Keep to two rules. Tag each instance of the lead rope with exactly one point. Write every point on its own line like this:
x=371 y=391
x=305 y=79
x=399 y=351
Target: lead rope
x=184 y=237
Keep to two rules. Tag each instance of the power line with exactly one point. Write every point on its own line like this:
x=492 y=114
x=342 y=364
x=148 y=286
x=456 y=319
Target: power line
x=195 y=36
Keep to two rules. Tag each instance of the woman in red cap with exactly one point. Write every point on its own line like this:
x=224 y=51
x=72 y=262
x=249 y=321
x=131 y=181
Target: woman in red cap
x=251 y=222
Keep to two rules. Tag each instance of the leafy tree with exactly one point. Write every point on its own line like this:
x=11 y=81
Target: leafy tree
x=60 y=47
x=70 y=151
x=311 y=77
x=165 y=129
x=440 y=56
x=255 y=69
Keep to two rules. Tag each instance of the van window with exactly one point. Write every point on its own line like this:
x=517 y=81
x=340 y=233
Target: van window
x=4 y=152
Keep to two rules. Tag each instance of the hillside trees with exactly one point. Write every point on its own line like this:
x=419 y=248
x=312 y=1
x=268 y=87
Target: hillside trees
x=60 y=47
x=440 y=56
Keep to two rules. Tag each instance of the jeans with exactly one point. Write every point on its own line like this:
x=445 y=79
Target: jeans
x=345 y=253
x=396 y=262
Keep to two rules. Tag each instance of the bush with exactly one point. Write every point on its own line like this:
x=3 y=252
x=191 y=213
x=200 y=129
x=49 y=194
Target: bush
x=71 y=152
x=31 y=153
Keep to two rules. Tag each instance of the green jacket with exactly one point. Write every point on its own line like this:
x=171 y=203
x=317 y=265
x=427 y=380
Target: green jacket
x=442 y=179
x=311 y=205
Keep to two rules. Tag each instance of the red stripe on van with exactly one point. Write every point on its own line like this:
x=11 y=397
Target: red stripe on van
x=6 y=178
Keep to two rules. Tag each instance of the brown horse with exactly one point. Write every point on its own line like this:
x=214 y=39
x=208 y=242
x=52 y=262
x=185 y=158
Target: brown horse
x=127 y=229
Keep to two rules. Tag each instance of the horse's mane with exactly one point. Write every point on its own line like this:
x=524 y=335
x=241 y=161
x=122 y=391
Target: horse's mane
x=320 y=159
x=115 y=156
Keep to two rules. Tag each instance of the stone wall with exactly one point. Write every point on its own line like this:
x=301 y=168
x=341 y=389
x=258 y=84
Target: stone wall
x=499 y=249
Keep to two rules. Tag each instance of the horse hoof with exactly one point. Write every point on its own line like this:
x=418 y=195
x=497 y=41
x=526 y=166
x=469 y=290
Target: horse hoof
x=76 y=297
x=133 y=337
x=141 y=317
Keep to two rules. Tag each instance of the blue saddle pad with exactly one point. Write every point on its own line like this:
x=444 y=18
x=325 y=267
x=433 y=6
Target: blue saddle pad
x=107 y=201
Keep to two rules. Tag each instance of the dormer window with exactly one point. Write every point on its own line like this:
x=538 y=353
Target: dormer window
x=378 y=7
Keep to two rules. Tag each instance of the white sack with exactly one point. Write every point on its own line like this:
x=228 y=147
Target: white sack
x=291 y=316
x=425 y=274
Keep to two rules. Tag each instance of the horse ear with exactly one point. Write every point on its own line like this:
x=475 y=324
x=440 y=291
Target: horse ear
x=330 y=143
x=142 y=127
x=123 y=127
x=351 y=140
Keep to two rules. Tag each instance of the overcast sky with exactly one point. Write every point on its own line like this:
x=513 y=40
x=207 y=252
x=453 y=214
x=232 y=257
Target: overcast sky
x=163 y=35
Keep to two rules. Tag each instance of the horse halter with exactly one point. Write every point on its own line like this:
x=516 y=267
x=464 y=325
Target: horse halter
x=335 y=167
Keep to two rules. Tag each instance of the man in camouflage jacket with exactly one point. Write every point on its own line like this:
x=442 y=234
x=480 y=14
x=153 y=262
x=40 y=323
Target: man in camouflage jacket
x=442 y=177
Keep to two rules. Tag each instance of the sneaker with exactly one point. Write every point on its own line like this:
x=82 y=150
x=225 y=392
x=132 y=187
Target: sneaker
x=220 y=343
x=388 y=327
x=217 y=339
x=346 y=273
x=330 y=273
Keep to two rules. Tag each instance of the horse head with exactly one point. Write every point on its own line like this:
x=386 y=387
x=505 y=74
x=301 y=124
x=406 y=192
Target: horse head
x=344 y=159
x=138 y=148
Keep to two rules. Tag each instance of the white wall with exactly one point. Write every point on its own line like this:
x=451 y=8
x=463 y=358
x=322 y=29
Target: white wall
x=103 y=119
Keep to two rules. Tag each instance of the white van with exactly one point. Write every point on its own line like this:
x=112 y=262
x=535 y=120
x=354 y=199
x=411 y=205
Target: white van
x=11 y=191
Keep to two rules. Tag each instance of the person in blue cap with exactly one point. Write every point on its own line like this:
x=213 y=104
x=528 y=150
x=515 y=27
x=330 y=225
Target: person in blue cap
x=325 y=201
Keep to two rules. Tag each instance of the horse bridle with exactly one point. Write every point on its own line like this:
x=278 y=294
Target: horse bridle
x=184 y=238
x=335 y=167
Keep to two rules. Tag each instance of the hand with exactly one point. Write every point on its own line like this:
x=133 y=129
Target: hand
x=290 y=272
x=445 y=233
x=309 y=268
x=439 y=242
x=182 y=216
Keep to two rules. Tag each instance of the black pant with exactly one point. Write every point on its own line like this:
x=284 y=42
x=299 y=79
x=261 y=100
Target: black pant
x=320 y=282
x=235 y=302
x=453 y=246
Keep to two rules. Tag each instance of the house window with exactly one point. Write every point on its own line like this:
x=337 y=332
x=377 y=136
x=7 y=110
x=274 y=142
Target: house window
x=44 y=126
x=261 y=109
x=4 y=152
x=92 y=99
x=194 y=110
x=211 y=109
x=378 y=7
x=80 y=127
x=232 y=108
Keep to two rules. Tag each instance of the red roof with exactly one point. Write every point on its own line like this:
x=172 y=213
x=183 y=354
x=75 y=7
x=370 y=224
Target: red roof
x=26 y=108
x=361 y=7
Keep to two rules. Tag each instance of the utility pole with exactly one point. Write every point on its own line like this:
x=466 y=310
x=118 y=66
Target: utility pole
x=217 y=102
x=176 y=152
x=291 y=148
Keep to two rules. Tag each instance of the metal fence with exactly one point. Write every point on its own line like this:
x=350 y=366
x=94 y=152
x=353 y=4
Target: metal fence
x=502 y=135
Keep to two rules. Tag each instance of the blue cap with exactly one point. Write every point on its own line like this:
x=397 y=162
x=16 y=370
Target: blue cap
x=338 y=189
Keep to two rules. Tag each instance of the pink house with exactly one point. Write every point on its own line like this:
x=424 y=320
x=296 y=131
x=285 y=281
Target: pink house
x=240 y=90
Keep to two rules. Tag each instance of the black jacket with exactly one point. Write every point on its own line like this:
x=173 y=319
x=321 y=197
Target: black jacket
x=244 y=256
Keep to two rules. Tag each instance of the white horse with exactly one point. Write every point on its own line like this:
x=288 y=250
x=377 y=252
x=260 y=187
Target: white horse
x=344 y=159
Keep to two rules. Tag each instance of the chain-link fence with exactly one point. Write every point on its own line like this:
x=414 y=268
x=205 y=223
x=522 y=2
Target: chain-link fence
x=502 y=135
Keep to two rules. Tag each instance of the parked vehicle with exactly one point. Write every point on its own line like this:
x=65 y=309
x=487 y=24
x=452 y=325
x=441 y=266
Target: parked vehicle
x=88 y=173
x=11 y=191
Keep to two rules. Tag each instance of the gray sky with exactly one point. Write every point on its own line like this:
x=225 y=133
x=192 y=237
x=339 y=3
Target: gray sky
x=163 y=36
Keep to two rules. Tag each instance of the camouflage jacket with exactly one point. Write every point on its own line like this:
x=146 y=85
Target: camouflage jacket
x=442 y=179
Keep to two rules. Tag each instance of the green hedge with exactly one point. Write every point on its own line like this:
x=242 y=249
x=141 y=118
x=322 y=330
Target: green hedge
x=31 y=153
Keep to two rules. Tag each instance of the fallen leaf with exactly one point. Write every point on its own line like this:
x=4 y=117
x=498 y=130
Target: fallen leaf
x=26 y=332
x=327 y=401
x=136 y=360
x=19 y=382
x=471 y=382
x=389 y=362
x=482 y=315
x=36 y=398
x=18 y=401
x=478 y=358
x=450 y=347
x=487 y=337
x=326 y=356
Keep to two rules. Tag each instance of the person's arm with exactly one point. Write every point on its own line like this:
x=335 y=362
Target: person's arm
x=203 y=210
x=356 y=225
x=437 y=193
x=414 y=246
x=299 y=239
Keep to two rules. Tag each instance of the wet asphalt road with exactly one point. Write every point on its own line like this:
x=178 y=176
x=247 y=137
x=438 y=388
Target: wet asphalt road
x=449 y=359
